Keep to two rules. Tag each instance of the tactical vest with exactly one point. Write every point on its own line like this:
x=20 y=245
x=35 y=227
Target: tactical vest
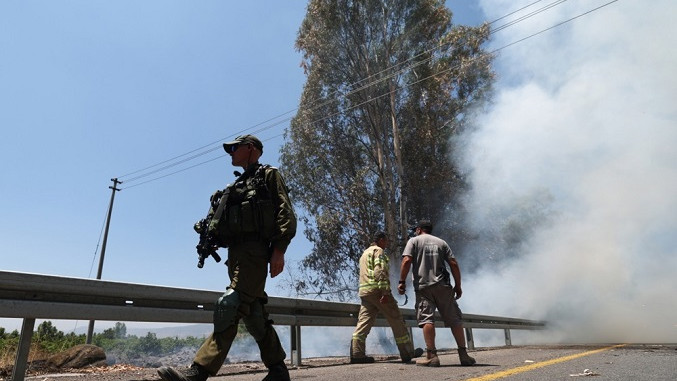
x=249 y=213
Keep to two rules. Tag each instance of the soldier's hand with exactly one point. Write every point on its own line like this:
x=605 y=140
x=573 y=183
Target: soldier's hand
x=401 y=288
x=276 y=262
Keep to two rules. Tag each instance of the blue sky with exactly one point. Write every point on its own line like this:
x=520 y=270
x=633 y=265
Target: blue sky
x=95 y=90
x=583 y=114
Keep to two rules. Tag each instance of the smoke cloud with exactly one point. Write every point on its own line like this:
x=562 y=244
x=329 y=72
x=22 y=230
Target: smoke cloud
x=574 y=175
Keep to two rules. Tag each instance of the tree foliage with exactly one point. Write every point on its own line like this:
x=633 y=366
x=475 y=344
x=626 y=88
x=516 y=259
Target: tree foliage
x=389 y=85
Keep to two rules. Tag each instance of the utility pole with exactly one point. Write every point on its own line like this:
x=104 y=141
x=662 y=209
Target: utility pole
x=90 y=330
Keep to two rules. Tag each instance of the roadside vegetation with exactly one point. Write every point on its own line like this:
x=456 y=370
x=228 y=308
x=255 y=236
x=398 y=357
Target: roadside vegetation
x=48 y=340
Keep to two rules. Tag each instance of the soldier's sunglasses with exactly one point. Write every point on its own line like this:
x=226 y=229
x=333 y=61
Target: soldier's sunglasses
x=233 y=148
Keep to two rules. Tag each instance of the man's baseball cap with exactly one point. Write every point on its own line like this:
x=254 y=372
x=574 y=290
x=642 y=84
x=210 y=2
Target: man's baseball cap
x=244 y=139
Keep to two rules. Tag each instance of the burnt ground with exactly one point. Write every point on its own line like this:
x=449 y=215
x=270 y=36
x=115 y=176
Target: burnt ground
x=125 y=372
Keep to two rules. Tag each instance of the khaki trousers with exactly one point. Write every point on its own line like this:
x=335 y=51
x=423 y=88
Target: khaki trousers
x=369 y=310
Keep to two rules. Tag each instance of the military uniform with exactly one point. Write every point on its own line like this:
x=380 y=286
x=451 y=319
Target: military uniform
x=248 y=254
x=374 y=284
x=254 y=219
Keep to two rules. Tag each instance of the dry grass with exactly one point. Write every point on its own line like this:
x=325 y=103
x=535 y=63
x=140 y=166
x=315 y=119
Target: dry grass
x=8 y=356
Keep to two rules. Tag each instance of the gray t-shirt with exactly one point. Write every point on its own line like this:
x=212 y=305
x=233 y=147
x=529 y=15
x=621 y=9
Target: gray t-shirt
x=430 y=256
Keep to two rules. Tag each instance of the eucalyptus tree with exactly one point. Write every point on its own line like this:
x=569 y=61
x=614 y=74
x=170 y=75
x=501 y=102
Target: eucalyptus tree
x=389 y=85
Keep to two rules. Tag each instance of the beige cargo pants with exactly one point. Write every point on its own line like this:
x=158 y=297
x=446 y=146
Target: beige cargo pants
x=369 y=310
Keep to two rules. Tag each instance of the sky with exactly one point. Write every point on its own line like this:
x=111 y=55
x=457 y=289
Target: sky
x=579 y=130
x=91 y=91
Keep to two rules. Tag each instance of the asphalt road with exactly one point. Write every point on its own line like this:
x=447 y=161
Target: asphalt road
x=630 y=362
x=603 y=362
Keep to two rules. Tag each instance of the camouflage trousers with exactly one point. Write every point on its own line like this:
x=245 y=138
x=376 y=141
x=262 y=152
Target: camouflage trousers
x=247 y=268
x=369 y=309
x=214 y=350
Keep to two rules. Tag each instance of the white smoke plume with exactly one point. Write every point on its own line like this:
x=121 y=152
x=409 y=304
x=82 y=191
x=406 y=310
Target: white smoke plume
x=574 y=174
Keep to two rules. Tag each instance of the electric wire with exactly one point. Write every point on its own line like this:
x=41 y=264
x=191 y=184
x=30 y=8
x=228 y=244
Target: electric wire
x=351 y=92
x=175 y=172
x=322 y=104
x=528 y=15
x=199 y=148
x=515 y=11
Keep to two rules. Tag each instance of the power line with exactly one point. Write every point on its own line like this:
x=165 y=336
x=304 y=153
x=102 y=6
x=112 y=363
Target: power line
x=198 y=149
x=515 y=11
x=175 y=172
x=529 y=15
x=201 y=151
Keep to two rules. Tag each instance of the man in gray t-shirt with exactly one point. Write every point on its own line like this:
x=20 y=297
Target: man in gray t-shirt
x=428 y=257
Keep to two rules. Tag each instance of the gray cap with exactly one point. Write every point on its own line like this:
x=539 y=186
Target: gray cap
x=244 y=139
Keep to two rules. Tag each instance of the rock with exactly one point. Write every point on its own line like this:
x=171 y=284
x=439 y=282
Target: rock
x=79 y=356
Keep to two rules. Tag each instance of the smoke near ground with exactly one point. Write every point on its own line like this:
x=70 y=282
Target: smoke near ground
x=574 y=174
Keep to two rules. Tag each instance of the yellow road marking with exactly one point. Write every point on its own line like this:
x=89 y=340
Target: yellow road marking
x=526 y=368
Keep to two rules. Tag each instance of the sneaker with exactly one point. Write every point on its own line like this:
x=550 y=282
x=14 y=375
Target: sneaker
x=430 y=359
x=362 y=360
x=466 y=360
x=277 y=372
x=194 y=373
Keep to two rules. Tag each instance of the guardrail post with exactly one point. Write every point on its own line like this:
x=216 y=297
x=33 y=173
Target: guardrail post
x=508 y=340
x=469 y=339
x=22 y=352
x=295 y=334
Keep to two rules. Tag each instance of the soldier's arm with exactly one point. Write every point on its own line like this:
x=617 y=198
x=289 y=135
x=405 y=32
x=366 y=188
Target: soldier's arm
x=285 y=219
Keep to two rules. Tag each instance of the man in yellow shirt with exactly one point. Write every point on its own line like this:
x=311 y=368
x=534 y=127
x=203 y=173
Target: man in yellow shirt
x=376 y=296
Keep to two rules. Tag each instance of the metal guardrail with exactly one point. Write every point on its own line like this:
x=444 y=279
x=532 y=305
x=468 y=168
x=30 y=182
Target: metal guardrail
x=35 y=296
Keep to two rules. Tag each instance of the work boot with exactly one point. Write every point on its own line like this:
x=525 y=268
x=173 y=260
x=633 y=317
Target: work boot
x=357 y=355
x=362 y=360
x=465 y=359
x=417 y=353
x=430 y=359
x=194 y=373
x=277 y=372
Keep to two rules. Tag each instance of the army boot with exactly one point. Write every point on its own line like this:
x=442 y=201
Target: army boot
x=357 y=355
x=194 y=373
x=430 y=359
x=465 y=359
x=277 y=372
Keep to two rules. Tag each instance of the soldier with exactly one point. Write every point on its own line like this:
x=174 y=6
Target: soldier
x=375 y=296
x=257 y=226
x=429 y=255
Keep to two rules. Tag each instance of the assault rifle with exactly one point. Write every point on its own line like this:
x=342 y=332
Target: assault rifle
x=207 y=245
x=206 y=228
